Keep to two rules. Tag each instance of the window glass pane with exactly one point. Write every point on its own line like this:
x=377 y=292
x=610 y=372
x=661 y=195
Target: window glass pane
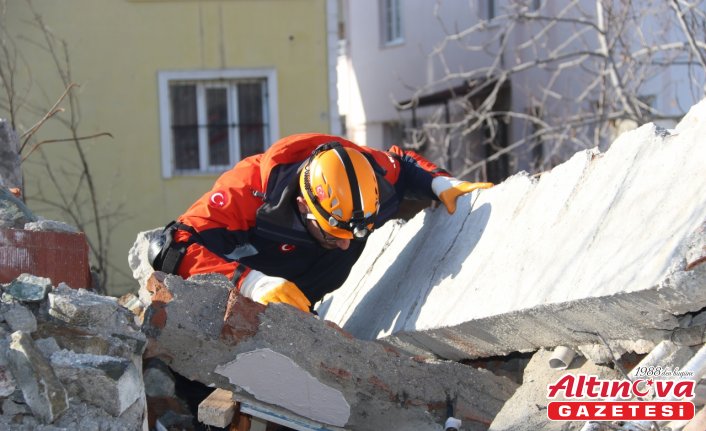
x=217 y=123
x=185 y=131
x=397 y=14
x=251 y=121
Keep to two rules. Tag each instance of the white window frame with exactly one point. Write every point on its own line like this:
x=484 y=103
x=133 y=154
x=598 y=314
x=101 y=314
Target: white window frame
x=163 y=80
x=396 y=17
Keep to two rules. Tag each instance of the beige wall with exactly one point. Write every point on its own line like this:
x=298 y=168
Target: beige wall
x=116 y=49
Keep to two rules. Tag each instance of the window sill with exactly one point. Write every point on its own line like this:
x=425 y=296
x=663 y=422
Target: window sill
x=392 y=44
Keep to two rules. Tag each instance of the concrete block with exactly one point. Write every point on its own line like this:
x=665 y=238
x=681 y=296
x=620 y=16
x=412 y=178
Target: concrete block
x=96 y=315
x=82 y=308
x=28 y=288
x=59 y=256
x=42 y=390
x=609 y=243
x=18 y=317
x=113 y=384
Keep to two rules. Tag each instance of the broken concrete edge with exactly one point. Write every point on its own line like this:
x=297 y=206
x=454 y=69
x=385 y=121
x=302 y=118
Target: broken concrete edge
x=185 y=330
x=604 y=241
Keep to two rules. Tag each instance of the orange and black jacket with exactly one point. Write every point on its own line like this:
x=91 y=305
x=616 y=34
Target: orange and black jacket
x=249 y=218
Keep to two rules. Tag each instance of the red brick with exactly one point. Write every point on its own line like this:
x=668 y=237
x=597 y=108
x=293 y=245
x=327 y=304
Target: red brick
x=59 y=256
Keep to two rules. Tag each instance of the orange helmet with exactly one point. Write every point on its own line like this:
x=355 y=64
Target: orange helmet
x=341 y=191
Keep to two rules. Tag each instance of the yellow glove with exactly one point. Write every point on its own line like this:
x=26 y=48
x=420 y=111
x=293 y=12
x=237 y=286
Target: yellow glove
x=448 y=189
x=265 y=289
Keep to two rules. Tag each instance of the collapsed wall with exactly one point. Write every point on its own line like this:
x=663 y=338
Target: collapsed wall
x=277 y=355
x=605 y=245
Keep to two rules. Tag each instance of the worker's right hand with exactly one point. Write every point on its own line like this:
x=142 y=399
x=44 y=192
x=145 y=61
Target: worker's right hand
x=265 y=289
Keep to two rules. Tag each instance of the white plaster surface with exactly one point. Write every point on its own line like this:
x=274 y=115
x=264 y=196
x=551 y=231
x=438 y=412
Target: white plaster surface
x=275 y=379
x=575 y=250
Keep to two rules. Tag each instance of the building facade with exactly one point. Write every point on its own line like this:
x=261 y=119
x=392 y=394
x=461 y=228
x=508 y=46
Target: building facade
x=184 y=88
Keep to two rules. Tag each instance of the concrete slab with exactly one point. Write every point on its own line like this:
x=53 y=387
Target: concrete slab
x=607 y=243
x=207 y=332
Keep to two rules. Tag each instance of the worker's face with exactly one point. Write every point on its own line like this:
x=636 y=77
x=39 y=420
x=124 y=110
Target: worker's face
x=324 y=239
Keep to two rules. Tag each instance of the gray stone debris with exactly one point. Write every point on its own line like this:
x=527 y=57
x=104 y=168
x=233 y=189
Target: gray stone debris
x=81 y=308
x=7 y=382
x=75 y=364
x=18 y=317
x=50 y=225
x=110 y=383
x=42 y=390
x=28 y=288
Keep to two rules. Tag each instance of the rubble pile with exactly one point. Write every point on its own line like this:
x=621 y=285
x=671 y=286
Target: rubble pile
x=204 y=330
x=70 y=359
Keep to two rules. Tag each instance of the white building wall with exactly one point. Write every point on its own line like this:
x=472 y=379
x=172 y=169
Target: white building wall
x=373 y=76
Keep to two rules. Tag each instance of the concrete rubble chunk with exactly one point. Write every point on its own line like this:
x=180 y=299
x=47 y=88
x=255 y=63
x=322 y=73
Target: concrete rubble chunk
x=7 y=382
x=11 y=408
x=159 y=379
x=81 y=308
x=50 y=226
x=113 y=384
x=526 y=410
x=137 y=256
x=200 y=327
x=42 y=390
x=18 y=317
x=606 y=243
x=47 y=346
x=98 y=320
x=28 y=288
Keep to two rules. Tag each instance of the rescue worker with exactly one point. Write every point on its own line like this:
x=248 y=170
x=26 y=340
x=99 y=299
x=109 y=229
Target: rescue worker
x=288 y=225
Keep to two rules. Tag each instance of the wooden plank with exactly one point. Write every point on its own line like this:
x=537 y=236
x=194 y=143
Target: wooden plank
x=218 y=409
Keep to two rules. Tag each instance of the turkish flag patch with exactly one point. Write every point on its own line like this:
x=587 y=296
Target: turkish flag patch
x=218 y=199
x=320 y=193
x=286 y=248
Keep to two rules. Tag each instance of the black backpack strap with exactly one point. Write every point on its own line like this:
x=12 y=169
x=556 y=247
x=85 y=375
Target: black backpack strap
x=165 y=253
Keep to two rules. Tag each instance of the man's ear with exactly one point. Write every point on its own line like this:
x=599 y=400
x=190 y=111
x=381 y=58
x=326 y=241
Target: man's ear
x=301 y=204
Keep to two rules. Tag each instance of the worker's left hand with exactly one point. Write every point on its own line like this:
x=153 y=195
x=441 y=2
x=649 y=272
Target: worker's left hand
x=448 y=189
